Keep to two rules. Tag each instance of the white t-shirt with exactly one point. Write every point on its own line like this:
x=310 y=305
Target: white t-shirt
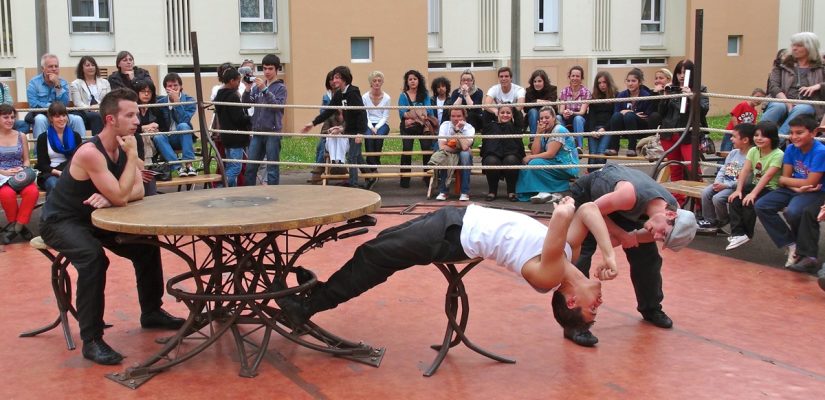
x=377 y=117
x=511 y=239
x=500 y=97
x=447 y=130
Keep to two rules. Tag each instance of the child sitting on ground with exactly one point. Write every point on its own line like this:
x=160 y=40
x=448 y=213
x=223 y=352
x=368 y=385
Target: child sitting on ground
x=744 y=112
x=715 y=195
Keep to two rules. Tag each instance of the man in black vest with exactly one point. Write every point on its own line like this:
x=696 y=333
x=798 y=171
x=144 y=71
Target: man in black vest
x=104 y=172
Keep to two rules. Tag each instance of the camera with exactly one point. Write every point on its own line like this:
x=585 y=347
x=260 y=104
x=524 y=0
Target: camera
x=672 y=89
x=247 y=73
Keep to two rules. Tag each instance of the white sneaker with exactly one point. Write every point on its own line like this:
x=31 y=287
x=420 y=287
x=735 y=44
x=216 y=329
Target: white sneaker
x=441 y=197
x=736 y=241
x=464 y=197
x=541 y=198
x=791 y=250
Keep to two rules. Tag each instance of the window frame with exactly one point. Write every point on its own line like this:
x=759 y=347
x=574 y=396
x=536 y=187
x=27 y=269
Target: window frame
x=260 y=18
x=93 y=18
x=738 y=39
x=654 y=4
x=539 y=19
x=370 y=46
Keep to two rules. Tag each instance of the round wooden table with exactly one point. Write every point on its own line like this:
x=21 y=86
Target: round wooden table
x=241 y=245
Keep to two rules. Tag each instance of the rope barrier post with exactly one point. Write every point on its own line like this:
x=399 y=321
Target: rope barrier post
x=697 y=95
x=205 y=154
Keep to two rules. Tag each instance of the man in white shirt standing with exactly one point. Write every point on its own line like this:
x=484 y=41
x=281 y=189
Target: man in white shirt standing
x=455 y=138
x=506 y=92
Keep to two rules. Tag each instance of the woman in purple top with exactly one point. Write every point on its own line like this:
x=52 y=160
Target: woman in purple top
x=574 y=113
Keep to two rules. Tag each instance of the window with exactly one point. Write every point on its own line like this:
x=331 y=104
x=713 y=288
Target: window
x=547 y=16
x=631 y=61
x=361 y=49
x=258 y=16
x=460 y=65
x=652 y=16
x=734 y=45
x=433 y=24
x=6 y=31
x=90 y=16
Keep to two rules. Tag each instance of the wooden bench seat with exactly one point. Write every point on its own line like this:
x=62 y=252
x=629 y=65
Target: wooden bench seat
x=190 y=181
x=687 y=188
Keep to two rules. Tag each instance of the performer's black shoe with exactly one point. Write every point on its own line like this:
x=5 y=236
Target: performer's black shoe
x=160 y=319
x=581 y=337
x=295 y=309
x=98 y=351
x=658 y=318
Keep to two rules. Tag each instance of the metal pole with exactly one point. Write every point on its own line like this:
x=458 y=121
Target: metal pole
x=515 y=40
x=207 y=159
x=41 y=22
x=697 y=90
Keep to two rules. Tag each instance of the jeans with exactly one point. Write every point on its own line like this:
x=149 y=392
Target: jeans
x=532 y=120
x=465 y=158
x=94 y=122
x=807 y=241
x=769 y=206
x=778 y=112
x=625 y=122
x=578 y=126
x=726 y=145
x=320 y=150
x=597 y=145
x=167 y=144
x=49 y=184
x=715 y=205
x=375 y=145
x=233 y=169
x=258 y=146
x=22 y=126
x=354 y=157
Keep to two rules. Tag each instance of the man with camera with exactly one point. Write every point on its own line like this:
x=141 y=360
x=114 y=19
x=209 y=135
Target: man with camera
x=265 y=90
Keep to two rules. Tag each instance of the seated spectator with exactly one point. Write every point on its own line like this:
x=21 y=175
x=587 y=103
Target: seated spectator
x=538 y=185
x=321 y=147
x=43 y=90
x=574 y=113
x=441 y=87
x=127 y=72
x=505 y=92
x=5 y=98
x=87 y=90
x=800 y=185
x=758 y=176
x=468 y=94
x=14 y=156
x=797 y=77
x=180 y=119
x=336 y=146
x=233 y=119
x=743 y=113
x=151 y=120
x=630 y=115
x=807 y=242
x=495 y=152
x=455 y=142
x=598 y=115
x=56 y=147
x=377 y=120
x=539 y=91
x=715 y=196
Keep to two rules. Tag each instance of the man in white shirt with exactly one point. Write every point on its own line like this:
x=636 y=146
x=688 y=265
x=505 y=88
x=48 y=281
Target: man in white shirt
x=455 y=137
x=506 y=92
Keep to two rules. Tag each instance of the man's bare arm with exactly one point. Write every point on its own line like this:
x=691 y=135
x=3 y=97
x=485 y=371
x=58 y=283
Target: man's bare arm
x=89 y=163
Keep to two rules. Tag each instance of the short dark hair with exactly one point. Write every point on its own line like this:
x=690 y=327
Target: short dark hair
x=328 y=85
x=568 y=318
x=769 y=130
x=6 y=109
x=463 y=111
x=344 y=72
x=441 y=81
x=230 y=74
x=805 y=121
x=79 y=70
x=110 y=104
x=746 y=130
x=172 y=76
x=271 y=59
x=57 y=108
x=504 y=69
x=139 y=84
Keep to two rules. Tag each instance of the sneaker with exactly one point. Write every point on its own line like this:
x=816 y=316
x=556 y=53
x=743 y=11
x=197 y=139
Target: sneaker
x=370 y=183
x=541 y=198
x=736 y=241
x=192 y=171
x=805 y=265
x=707 y=227
x=160 y=319
x=631 y=153
x=791 y=250
x=464 y=197
x=611 y=152
x=441 y=197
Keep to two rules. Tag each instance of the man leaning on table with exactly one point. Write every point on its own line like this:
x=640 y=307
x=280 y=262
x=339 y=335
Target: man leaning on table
x=104 y=173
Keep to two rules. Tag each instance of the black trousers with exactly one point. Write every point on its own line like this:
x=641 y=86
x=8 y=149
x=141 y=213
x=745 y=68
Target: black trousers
x=494 y=175
x=807 y=236
x=83 y=244
x=645 y=261
x=434 y=237
x=407 y=145
x=743 y=218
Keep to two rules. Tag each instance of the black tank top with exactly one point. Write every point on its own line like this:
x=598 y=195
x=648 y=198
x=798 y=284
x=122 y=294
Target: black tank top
x=66 y=199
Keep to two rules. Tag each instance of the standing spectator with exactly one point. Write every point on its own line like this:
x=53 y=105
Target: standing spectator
x=715 y=196
x=759 y=176
x=496 y=152
x=799 y=76
x=505 y=92
x=574 y=113
x=127 y=72
x=180 y=119
x=598 y=115
x=56 y=147
x=232 y=118
x=441 y=88
x=5 y=98
x=539 y=91
x=630 y=115
x=743 y=113
x=468 y=94
x=43 y=90
x=799 y=186
x=266 y=90
x=455 y=139
x=537 y=185
x=14 y=156
x=320 y=148
x=413 y=120
x=87 y=90
x=377 y=119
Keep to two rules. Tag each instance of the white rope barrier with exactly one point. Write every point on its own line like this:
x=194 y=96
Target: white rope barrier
x=399 y=136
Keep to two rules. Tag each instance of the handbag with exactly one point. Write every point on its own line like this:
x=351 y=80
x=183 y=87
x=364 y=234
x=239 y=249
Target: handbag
x=163 y=171
x=22 y=178
x=706 y=145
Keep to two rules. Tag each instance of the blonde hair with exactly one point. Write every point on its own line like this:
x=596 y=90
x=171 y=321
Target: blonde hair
x=373 y=75
x=666 y=72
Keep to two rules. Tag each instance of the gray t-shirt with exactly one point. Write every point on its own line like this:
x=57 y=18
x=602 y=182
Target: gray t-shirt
x=599 y=183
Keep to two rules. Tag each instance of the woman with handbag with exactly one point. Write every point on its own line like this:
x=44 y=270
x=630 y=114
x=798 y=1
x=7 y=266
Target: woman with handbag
x=415 y=121
x=56 y=147
x=87 y=90
x=16 y=178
